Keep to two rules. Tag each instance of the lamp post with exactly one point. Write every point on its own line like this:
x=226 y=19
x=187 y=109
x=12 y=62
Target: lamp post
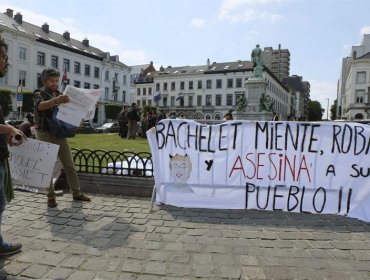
x=327 y=109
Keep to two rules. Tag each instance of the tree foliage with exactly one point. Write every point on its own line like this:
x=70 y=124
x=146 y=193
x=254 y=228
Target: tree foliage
x=6 y=101
x=315 y=111
x=112 y=110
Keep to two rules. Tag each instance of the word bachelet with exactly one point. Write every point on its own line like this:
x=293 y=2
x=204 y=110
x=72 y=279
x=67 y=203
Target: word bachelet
x=316 y=167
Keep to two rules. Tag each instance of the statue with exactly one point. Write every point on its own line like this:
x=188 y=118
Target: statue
x=256 y=58
x=241 y=104
x=266 y=103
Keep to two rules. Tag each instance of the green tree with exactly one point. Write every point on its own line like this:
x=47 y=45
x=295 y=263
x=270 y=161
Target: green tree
x=315 y=111
x=6 y=101
x=333 y=110
x=112 y=110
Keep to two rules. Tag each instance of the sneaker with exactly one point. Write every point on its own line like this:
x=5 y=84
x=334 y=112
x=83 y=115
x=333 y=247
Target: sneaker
x=82 y=197
x=10 y=249
x=52 y=203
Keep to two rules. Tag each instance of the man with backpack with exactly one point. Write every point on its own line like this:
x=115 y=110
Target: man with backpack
x=45 y=99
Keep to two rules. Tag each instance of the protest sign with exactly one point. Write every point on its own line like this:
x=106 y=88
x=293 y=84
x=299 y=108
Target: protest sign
x=288 y=166
x=81 y=106
x=32 y=163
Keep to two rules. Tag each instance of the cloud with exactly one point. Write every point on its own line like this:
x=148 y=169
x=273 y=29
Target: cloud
x=365 y=30
x=236 y=11
x=198 y=22
x=322 y=90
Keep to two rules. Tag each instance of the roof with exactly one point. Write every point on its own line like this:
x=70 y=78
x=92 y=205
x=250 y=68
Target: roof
x=365 y=56
x=50 y=38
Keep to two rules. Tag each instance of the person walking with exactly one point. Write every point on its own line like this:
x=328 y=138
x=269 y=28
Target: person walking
x=45 y=99
x=7 y=133
x=132 y=117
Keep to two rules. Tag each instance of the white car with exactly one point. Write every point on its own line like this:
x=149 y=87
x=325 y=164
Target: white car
x=135 y=164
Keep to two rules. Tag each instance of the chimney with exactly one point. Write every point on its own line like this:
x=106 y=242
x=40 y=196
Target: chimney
x=18 y=18
x=9 y=12
x=208 y=62
x=85 y=42
x=45 y=27
x=151 y=63
x=161 y=68
x=66 y=35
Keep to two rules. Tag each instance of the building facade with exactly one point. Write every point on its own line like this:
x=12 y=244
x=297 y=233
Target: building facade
x=278 y=61
x=206 y=91
x=33 y=48
x=300 y=97
x=353 y=93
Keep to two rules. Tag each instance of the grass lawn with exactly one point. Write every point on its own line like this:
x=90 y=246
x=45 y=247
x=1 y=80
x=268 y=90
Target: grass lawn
x=108 y=142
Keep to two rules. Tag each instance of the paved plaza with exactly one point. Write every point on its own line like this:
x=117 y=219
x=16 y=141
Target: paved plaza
x=118 y=238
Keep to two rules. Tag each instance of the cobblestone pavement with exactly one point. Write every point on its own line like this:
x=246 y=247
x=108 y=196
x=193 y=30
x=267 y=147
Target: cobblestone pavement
x=117 y=238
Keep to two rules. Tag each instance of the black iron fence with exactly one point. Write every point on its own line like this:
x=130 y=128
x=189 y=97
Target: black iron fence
x=113 y=162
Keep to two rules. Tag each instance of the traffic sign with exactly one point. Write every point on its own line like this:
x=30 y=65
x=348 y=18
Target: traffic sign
x=19 y=97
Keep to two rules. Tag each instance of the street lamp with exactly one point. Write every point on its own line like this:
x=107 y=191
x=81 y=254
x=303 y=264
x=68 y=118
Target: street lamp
x=327 y=109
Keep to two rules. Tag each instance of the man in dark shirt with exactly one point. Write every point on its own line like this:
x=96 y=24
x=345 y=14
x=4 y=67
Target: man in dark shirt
x=7 y=133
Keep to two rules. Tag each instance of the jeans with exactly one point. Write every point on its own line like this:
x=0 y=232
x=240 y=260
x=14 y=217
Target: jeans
x=2 y=198
x=65 y=156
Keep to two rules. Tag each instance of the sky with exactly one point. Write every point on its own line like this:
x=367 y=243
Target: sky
x=318 y=33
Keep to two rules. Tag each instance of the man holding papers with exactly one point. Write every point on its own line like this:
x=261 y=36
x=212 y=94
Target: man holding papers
x=45 y=99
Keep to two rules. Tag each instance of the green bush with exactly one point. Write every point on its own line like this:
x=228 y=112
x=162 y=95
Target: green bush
x=6 y=101
x=112 y=110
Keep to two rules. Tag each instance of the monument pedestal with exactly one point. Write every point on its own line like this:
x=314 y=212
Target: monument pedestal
x=255 y=88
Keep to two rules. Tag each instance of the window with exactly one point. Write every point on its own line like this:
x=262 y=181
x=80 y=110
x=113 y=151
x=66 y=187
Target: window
x=22 y=78
x=144 y=91
x=106 y=93
x=77 y=84
x=66 y=64
x=96 y=72
x=165 y=101
x=106 y=75
x=86 y=85
x=150 y=91
x=181 y=100
x=124 y=79
x=238 y=82
x=87 y=70
x=54 y=61
x=229 y=100
x=157 y=87
x=96 y=86
x=77 y=67
x=182 y=85
x=172 y=101
x=361 y=77
x=190 y=101
x=123 y=96
x=164 y=86
x=173 y=86
x=208 y=100
x=199 y=100
x=41 y=58
x=218 y=100
x=149 y=102
x=138 y=91
x=359 y=95
x=138 y=102
x=209 y=84
x=190 y=84
x=199 y=84
x=230 y=83
x=22 y=53
x=218 y=83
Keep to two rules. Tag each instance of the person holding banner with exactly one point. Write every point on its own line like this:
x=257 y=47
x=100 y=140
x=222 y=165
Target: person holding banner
x=45 y=99
x=12 y=136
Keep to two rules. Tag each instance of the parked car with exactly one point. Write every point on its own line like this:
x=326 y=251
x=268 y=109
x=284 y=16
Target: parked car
x=110 y=127
x=15 y=123
x=86 y=128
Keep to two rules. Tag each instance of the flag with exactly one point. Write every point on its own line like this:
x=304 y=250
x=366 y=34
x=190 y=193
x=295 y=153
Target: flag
x=180 y=96
x=65 y=79
x=157 y=97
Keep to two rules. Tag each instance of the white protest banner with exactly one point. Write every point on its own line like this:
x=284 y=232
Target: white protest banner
x=32 y=163
x=81 y=106
x=318 y=167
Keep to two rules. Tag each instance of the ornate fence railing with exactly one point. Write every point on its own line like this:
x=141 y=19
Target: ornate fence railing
x=113 y=162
